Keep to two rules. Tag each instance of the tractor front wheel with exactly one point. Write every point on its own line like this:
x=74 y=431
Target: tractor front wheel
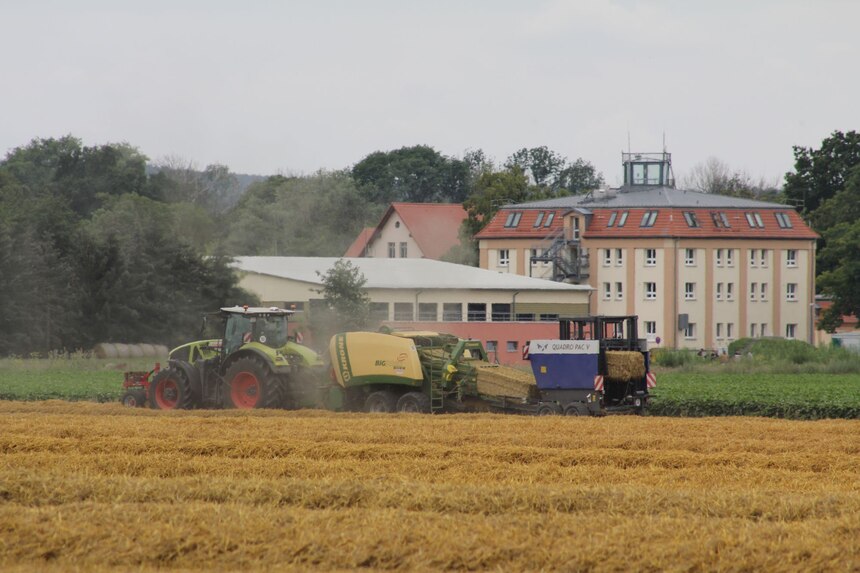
x=250 y=384
x=170 y=390
x=134 y=398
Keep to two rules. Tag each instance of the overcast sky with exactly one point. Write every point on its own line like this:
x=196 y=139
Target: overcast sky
x=291 y=87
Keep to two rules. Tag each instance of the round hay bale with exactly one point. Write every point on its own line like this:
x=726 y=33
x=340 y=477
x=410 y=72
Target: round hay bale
x=160 y=351
x=149 y=350
x=105 y=350
x=135 y=351
x=122 y=350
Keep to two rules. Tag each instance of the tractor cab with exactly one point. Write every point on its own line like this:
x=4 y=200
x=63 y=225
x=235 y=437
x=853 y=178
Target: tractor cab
x=243 y=325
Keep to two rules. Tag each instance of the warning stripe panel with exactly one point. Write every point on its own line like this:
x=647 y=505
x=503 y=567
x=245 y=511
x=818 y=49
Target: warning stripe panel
x=650 y=380
x=598 y=383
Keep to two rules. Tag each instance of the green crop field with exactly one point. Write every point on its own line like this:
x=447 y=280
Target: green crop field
x=679 y=392
x=799 y=396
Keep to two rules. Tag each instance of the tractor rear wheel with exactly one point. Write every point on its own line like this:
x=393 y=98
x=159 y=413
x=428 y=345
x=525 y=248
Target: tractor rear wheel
x=250 y=384
x=414 y=403
x=134 y=398
x=170 y=389
x=383 y=401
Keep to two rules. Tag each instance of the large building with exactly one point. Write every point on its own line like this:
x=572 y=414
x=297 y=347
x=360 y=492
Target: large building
x=699 y=269
x=411 y=230
x=502 y=310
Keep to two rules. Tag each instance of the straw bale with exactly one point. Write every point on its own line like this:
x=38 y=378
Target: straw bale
x=495 y=380
x=624 y=365
x=105 y=350
x=122 y=350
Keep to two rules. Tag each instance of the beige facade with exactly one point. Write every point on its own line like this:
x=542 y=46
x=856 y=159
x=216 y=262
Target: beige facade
x=393 y=241
x=514 y=256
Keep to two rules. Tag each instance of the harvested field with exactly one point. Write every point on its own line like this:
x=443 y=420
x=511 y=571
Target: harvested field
x=88 y=486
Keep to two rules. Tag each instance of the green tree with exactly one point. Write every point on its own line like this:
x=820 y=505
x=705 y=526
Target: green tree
x=552 y=172
x=841 y=257
x=418 y=174
x=821 y=173
x=492 y=191
x=347 y=304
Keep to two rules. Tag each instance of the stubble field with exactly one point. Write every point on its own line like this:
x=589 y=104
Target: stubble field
x=87 y=486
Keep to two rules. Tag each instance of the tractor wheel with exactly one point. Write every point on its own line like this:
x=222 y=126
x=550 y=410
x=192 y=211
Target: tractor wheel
x=170 y=390
x=548 y=410
x=382 y=401
x=134 y=398
x=414 y=403
x=249 y=384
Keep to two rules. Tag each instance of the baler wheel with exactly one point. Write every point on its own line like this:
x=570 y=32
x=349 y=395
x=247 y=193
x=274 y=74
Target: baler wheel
x=382 y=401
x=576 y=409
x=414 y=403
x=134 y=398
x=250 y=384
x=170 y=390
x=548 y=410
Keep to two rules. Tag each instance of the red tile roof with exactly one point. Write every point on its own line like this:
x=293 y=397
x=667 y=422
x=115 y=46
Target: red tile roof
x=672 y=222
x=526 y=226
x=356 y=249
x=434 y=226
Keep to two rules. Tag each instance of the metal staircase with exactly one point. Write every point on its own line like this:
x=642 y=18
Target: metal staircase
x=569 y=260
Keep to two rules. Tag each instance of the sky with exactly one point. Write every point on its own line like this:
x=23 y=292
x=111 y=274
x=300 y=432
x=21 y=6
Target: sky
x=291 y=87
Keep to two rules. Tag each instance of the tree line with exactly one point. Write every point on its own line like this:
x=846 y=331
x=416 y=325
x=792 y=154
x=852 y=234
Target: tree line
x=96 y=244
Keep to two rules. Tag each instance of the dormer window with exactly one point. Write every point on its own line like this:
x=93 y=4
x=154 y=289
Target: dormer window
x=783 y=220
x=549 y=217
x=648 y=219
x=612 y=217
x=539 y=219
x=754 y=220
x=690 y=217
x=513 y=219
x=720 y=220
x=622 y=219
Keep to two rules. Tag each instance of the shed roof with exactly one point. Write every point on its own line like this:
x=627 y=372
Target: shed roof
x=401 y=274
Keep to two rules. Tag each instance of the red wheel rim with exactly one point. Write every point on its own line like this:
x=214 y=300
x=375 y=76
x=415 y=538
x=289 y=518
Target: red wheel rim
x=245 y=390
x=167 y=394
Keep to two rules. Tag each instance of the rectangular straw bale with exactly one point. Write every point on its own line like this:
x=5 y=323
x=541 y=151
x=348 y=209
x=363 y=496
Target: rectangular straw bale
x=624 y=365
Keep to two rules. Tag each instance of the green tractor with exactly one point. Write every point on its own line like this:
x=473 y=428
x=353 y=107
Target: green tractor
x=254 y=364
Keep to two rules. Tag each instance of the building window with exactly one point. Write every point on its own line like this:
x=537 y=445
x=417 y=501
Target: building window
x=763 y=329
x=525 y=317
x=690 y=330
x=689 y=291
x=791 y=291
x=650 y=291
x=403 y=250
x=719 y=294
x=619 y=257
x=730 y=257
x=762 y=261
x=730 y=291
x=575 y=222
x=501 y=312
x=612 y=217
x=790 y=331
x=752 y=257
x=763 y=291
x=452 y=311
x=791 y=258
x=648 y=219
x=650 y=257
x=403 y=311
x=607 y=291
x=512 y=345
x=720 y=220
x=754 y=220
x=690 y=217
x=730 y=330
x=719 y=331
x=607 y=257
x=492 y=345
x=752 y=330
x=752 y=291
x=379 y=311
x=539 y=219
x=548 y=221
x=622 y=219
x=619 y=291
x=476 y=312
x=513 y=219
x=504 y=257
x=548 y=317
x=783 y=220
x=690 y=257
x=392 y=250
x=719 y=257
x=650 y=327
x=427 y=311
